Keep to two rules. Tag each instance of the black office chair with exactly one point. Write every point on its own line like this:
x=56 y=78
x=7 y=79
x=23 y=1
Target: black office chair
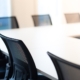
x=65 y=70
x=41 y=20
x=8 y=23
x=3 y=62
x=23 y=65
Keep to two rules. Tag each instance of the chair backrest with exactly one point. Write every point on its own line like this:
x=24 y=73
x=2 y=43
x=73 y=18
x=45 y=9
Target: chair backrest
x=23 y=63
x=72 y=17
x=65 y=70
x=8 y=23
x=41 y=20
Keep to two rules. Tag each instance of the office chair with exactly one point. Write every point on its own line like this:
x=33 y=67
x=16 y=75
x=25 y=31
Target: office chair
x=3 y=62
x=8 y=23
x=65 y=70
x=72 y=17
x=23 y=65
x=41 y=20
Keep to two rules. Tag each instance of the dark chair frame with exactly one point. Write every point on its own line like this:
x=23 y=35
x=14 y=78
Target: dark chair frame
x=41 y=16
x=3 y=62
x=15 y=63
x=55 y=58
x=31 y=64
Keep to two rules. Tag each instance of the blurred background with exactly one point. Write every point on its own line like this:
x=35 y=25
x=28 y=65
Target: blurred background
x=58 y=10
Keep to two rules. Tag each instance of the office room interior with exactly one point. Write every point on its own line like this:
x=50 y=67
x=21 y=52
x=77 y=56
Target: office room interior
x=48 y=28
x=23 y=10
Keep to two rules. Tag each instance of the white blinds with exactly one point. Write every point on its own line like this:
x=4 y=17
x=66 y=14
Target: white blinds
x=5 y=8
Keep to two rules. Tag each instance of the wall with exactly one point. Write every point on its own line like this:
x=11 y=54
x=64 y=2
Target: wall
x=51 y=7
x=70 y=6
x=23 y=9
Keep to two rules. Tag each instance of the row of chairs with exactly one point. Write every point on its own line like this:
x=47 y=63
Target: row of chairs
x=21 y=66
x=12 y=22
x=65 y=69
x=39 y=20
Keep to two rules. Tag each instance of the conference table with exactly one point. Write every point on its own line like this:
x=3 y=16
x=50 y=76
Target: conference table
x=59 y=40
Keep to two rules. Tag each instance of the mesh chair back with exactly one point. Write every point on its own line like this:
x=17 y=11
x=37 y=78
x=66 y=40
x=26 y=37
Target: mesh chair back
x=41 y=20
x=8 y=23
x=22 y=60
x=72 y=18
x=65 y=70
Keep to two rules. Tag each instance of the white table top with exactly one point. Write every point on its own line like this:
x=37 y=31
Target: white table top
x=57 y=40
